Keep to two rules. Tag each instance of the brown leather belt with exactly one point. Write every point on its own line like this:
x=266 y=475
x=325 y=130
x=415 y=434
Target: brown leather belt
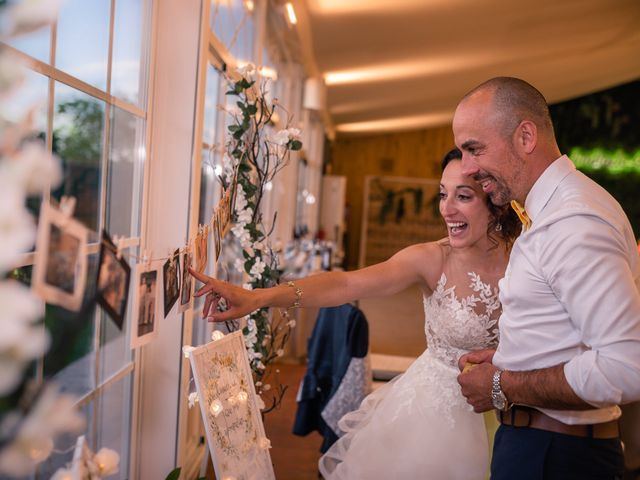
x=519 y=416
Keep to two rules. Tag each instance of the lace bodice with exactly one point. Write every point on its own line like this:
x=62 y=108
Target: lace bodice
x=454 y=326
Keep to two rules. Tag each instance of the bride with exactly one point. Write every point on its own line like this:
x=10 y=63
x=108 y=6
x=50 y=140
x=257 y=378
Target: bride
x=418 y=425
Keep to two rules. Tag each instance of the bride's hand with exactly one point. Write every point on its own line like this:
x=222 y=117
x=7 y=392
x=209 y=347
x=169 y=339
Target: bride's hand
x=240 y=302
x=479 y=356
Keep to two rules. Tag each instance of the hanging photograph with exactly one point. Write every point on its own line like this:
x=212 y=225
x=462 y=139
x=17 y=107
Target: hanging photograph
x=201 y=245
x=171 y=279
x=60 y=270
x=186 y=285
x=146 y=303
x=229 y=408
x=113 y=281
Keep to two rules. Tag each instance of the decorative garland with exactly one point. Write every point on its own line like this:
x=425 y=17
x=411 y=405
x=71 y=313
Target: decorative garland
x=254 y=154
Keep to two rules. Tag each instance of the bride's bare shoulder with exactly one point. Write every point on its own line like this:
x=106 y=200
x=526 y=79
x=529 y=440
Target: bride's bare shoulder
x=430 y=257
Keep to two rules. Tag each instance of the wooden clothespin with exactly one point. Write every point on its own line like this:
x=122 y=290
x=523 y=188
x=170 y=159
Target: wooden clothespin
x=117 y=241
x=67 y=206
x=146 y=258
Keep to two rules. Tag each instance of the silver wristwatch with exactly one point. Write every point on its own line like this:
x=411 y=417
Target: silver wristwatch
x=498 y=397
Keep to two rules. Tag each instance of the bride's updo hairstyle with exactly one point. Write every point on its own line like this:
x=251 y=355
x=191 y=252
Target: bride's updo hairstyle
x=504 y=223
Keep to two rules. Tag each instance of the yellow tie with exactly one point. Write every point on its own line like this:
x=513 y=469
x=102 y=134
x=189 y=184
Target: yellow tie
x=522 y=214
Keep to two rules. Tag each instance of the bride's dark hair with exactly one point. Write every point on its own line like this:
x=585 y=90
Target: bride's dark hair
x=504 y=222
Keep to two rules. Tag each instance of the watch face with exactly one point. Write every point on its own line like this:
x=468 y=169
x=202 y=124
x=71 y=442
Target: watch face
x=499 y=400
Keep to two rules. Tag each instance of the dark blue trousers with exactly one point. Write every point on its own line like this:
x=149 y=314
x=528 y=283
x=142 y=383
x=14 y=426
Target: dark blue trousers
x=522 y=453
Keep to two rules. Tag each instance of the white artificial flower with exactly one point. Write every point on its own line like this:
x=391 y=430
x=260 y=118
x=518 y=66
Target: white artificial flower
x=241 y=199
x=186 y=350
x=17 y=228
x=294 y=133
x=280 y=352
x=260 y=402
x=245 y=216
x=238 y=264
x=291 y=323
x=280 y=138
x=107 y=461
x=63 y=474
x=22 y=340
x=249 y=251
x=193 y=398
x=12 y=72
x=216 y=407
x=29 y=15
x=247 y=71
x=53 y=414
x=260 y=366
x=241 y=234
x=264 y=443
x=217 y=335
x=33 y=168
x=233 y=110
x=266 y=387
x=258 y=268
x=259 y=246
x=247 y=286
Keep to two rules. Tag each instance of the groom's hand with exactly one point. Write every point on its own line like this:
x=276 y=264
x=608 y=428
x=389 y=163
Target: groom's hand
x=476 y=384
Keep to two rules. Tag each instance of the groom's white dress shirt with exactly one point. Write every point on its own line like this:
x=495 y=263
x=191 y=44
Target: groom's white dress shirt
x=571 y=293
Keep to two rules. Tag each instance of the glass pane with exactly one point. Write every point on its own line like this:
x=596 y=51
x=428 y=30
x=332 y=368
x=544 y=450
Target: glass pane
x=125 y=177
x=77 y=139
x=36 y=43
x=211 y=105
x=71 y=359
x=113 y=410
x=232 y=22
x=83 y=40
x=128 y=41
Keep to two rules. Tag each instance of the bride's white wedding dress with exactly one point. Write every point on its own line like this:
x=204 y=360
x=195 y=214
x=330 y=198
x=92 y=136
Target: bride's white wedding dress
x=419 y=424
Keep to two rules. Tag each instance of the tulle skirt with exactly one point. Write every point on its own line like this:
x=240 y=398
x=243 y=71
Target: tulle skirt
x=416 y=426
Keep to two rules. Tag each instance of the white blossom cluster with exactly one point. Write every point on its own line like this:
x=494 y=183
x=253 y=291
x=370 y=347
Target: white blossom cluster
x=26 y=169
x=92 y=467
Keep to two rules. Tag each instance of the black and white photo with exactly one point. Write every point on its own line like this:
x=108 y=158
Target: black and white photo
x=113 y=281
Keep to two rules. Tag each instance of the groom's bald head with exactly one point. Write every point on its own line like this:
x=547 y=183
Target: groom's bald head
x=512 y=101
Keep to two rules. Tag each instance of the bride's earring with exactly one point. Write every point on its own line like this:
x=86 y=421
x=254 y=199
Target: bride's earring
x=499 y=227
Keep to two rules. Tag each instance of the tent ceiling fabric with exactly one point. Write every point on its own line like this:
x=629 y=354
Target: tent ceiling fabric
x=404 y=64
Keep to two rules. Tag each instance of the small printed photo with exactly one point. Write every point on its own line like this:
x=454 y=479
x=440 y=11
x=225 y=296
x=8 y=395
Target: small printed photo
x=146 y=304
x=201 y=246
x=171 y=279
x=60 y=271
x=186 y=290
x=113 y=281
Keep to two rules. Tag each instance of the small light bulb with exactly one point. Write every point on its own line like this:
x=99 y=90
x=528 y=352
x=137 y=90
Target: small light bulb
x=216 y=407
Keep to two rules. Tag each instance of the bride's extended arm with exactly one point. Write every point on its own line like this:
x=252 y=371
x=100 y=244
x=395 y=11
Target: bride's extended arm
x=325 y=289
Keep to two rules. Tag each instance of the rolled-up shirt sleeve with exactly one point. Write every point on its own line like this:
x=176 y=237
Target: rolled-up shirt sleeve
x=586 y=261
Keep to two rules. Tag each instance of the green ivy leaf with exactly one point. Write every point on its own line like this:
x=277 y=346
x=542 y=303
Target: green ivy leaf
x=175 y=474
x=238 y=133
x=233 y=128
x=252 y=109
x=295 y=145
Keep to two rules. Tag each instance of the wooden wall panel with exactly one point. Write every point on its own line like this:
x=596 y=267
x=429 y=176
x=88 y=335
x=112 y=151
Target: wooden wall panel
x=403 y=154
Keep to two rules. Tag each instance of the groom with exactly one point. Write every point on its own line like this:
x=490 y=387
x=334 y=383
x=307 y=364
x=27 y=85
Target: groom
x=569 y=350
